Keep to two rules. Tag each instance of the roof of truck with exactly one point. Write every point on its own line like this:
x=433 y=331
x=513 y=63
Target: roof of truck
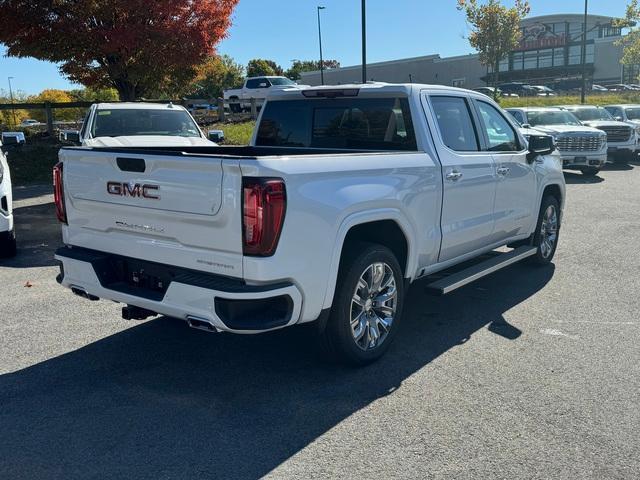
x=370 y=88
x=137 y=105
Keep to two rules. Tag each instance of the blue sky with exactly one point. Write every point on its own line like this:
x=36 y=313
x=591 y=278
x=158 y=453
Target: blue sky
x=284 y=30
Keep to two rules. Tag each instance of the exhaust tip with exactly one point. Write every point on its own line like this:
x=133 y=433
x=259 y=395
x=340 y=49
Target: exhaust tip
x=81 y=292
x=201 y=324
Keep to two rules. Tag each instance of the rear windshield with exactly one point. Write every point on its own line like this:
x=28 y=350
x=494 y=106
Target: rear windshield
x=134 y=122
x=356 y=124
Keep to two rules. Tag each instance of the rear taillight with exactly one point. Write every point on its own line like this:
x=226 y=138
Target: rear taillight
x=264 y=203
x=58 y=193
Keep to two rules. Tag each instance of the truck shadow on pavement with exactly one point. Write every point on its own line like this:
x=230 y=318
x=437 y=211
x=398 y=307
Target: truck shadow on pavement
x=159 y=400
x=38 y=234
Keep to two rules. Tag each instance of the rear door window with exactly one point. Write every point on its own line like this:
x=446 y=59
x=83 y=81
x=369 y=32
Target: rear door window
x=455 y=124
x=257 y=83
x=352 y=124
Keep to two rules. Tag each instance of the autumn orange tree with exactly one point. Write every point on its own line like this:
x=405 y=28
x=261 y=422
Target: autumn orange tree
x=495 y=29
x=134 y=46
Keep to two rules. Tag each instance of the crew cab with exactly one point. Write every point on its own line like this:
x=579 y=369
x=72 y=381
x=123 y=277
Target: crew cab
x=622 y=139
x=137 y=124
x=627 y=113
x=345 y=196
x=7 y=232
x=582 y=148
x=255 y=88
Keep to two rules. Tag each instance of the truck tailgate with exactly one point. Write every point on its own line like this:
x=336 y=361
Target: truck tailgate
x=170 y=208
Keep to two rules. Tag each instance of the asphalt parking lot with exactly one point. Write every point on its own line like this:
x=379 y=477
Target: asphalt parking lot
x=531 y=373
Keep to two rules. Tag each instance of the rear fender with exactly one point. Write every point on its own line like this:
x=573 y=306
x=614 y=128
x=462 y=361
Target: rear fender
x=360 y=218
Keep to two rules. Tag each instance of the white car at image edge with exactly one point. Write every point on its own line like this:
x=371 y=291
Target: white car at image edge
x=7 y=233
x=138 y=124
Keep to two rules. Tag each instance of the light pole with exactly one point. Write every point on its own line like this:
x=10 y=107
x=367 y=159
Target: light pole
x=583 y=93
x=13 y=110
x=364 y=41
x=320 y=40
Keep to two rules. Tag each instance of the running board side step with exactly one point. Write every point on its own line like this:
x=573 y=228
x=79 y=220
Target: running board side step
x=464 y=277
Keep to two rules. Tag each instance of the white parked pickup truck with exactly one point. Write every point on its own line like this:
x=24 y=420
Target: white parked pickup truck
x=258 y=88
x=137 y=124
x=344 y=197
x=581 y=147
x=622 y=138
x=7 y=232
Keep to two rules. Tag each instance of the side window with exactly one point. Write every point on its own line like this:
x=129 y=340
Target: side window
x=85 y=125
x=455 y=123
x=500 y=134
x=517 y=115
x=255 y=82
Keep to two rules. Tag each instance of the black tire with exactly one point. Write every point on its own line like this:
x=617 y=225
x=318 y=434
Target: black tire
x=338 y=337
x=235 y=107
x=8 y=247
x=590 y=171
x=544 y=255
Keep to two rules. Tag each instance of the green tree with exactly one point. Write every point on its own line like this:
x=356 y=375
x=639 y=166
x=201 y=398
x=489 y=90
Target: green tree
x=6 y=116
x=495 y=29
x=300 y=66
x=217 y=74
x=630 y=43
x=259 y=67
x=52 y=95
x=94 y=95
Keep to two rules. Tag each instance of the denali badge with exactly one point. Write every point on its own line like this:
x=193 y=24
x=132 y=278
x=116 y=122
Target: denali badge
x=134 y=190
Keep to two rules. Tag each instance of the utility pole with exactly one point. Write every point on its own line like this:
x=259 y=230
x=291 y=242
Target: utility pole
x=13 y=109
x=583 y=93
x=364 y=41
x=320 y=40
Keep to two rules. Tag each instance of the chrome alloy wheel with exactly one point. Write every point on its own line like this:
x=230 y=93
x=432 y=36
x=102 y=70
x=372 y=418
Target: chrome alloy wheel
x=373 y=306
x=548 y=231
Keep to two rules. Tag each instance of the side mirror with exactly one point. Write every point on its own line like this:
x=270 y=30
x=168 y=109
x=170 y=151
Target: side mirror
x=216 y=136
x=70 y=136
x=540 y=145
x=526 y=125
x=263 y=85
x=618 y=118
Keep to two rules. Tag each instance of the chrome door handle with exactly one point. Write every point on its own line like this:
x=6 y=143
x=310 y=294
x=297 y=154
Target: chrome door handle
x=454 y=175
x=503 y=171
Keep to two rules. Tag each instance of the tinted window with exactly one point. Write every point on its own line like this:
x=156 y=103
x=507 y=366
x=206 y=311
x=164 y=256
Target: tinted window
x=518 y=116
x=595 y=113
x=500 y=134
x=130 y=122
x=357 y=124
x=256 y=82
x=455 y=124
x=633 y=113
x=552 y=117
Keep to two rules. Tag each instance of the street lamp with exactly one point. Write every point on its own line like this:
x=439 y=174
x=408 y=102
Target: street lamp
x=583 y=93
x=13 y=110
x=364 y=41
x=320 y=40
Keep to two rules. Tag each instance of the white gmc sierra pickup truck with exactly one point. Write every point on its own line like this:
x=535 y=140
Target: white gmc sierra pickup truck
x=344 y=197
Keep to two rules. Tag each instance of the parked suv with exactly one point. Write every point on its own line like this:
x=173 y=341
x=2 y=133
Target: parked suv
x=7 y=232
x=582 y=148
x=622 y=139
